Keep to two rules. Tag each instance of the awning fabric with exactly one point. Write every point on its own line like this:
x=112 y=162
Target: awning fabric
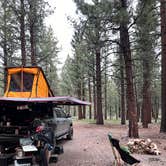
x=59 y=100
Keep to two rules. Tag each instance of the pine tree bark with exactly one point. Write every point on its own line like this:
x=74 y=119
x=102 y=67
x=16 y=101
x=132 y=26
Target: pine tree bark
x=94 y=97
x=5 y=57
x=99 y=118
x=105 y=93
x=4 y=41
x=90 y=97
x=163 y=63
x=83 y=98
x=146 y=104
x=32 y=31
x=137 y=102
x=122 y=83
x=131 y=100
x=22 y=33
x=156 y=108
x=80 y=113
x=32 y=41
x=74 y=112
x=110 y=112
x=116 y=111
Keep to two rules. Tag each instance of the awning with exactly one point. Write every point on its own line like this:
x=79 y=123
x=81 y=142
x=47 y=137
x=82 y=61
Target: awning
x=59 y=100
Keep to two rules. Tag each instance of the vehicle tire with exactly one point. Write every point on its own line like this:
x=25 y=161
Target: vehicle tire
x=70 y=133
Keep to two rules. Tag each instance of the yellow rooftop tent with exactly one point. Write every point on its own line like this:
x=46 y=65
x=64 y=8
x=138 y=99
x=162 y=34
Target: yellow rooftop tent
x=27 y=82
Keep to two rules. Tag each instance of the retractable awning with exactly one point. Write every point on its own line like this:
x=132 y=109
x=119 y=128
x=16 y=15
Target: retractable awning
x=59 y=100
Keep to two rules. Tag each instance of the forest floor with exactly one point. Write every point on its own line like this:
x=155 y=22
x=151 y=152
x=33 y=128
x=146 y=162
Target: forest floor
x=90 y=145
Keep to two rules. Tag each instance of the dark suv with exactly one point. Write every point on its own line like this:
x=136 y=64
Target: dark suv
x=20 y=122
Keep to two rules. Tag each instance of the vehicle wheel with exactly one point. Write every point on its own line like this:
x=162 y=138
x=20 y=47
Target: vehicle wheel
x=70 y=134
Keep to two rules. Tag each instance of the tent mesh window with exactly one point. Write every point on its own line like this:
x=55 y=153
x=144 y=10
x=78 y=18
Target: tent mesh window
x=18 y=78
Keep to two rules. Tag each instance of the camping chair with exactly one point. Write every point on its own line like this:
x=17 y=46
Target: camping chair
x=120 y=153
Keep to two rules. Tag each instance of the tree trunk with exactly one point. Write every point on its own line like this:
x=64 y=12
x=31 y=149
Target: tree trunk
x=5 y=63
x=74 y=112
x=5 y=53
x=146 y=104
x=80 y=114
x=90 y=98
x=32 y=31
x=99 y=118
x=94 y=97
x=131 y=100
x=116 y=111
x=156 y=108
x=105 y=92
x=83 y=98
x=163 y=62
x=110 y=112
x=32 y=41
x=22 y=33
x=122 y=85
x=138 y=111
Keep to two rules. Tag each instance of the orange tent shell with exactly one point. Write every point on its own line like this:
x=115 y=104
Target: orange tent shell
x=27 y=82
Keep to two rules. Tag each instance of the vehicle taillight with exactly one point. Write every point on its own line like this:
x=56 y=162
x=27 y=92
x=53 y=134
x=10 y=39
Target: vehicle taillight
x=39 y=129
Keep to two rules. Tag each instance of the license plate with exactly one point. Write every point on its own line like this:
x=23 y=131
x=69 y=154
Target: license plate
x=29 y=148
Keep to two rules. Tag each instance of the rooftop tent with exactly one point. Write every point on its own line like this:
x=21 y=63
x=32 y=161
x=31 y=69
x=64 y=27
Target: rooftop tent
x=27 y=82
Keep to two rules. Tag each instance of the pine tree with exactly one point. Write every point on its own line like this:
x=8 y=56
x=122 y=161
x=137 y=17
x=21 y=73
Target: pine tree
x=146 y=39
x=163 y=77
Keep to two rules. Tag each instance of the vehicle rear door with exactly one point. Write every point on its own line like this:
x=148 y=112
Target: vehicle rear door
x=59 y=121
x=65 y=121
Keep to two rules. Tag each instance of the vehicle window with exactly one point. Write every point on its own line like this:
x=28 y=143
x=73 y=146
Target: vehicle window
x=58 y=113
x=17 y=79
x=63 y=114
x=47 y=115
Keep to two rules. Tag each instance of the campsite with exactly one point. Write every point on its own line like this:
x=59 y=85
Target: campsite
x=92 y=147
x=82 y=82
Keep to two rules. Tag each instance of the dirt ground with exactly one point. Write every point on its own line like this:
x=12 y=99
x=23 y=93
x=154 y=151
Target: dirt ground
x=90 y=145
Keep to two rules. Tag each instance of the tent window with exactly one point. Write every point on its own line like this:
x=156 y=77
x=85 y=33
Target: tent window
x=16 y=80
